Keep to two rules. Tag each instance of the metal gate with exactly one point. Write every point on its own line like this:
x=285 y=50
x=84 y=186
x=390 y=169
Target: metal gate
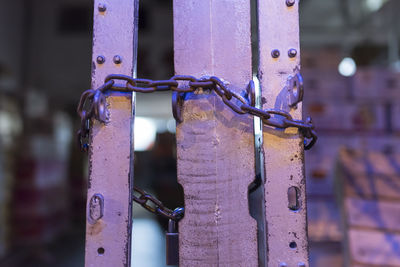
x=240 y=135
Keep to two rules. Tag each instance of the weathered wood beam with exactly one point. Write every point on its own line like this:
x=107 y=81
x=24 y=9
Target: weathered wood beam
x=108 y=230
x=215 y=146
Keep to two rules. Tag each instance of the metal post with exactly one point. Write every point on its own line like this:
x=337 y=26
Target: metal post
x=215 y=146
x=285 y=200
x=109 y=201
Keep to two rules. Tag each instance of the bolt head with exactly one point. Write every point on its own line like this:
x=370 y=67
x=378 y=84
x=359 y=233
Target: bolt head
x=117 y=59
x=292 y=53
x=275 y=53
x=290 y=2
x=100 y=59
x=102 y=7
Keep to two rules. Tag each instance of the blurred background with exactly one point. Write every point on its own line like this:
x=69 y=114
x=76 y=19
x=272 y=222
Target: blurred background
x=351 y=67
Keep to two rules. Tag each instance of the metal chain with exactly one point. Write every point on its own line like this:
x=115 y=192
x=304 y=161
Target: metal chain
x=156 y=206
x=92 y=103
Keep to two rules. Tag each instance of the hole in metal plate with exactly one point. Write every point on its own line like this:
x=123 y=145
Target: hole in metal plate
x=293 y=198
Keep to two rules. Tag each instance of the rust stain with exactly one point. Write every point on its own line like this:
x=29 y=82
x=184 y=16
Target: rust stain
x=96 y=228
x=89 y=184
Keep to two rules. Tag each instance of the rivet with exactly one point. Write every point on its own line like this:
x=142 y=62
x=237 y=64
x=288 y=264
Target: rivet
x=102 y=7
x=292 y=52
x=301 y=264
x=283 y=264
x=117 y=59
x=275 y=53
x=100 y=59
x=290 y=2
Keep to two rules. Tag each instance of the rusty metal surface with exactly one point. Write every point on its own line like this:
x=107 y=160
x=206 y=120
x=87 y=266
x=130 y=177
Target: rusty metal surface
x=283 y=150
x=111 y=145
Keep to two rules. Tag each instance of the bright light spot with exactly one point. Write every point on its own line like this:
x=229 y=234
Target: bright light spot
x=257 y=120
x=148 y=244
x=63 y=130
x=10 y=126
x=347 y=67
x=374 y=5
x=145 y=133
x=256 y=85
x=171 y=126
x=396 y=66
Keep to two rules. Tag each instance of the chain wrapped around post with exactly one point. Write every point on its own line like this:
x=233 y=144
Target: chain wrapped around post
x=92 y=103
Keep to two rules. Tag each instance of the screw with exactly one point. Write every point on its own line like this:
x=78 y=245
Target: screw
x=100 y=59
x=117 y=59
x=290 y=2
x=292 y=52
x=275 y=53
x=102 y=7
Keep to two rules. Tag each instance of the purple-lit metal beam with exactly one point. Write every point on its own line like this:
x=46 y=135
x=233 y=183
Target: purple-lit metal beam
x=285 y=191
x=109 y=199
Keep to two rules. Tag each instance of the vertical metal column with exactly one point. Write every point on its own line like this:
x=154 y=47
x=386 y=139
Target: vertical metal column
x=215 y=146
x=109 y=200
x=285 y=200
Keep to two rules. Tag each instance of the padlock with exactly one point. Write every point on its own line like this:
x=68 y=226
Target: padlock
x=172 y=243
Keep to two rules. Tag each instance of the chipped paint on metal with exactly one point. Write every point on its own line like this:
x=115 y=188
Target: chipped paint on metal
x=108 y=239
x=283 y=149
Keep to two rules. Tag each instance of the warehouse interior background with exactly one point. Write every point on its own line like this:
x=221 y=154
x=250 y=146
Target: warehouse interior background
x=351 y=68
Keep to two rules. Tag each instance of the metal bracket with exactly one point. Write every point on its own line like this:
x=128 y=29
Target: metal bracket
x=177 y=103
x=295 y=89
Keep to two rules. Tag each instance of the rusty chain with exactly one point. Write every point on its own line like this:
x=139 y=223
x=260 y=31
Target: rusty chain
x=155 y=206
x=92 y=103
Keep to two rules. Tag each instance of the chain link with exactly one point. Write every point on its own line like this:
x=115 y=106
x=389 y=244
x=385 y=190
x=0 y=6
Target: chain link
x=92 y=103
x=155 y=206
